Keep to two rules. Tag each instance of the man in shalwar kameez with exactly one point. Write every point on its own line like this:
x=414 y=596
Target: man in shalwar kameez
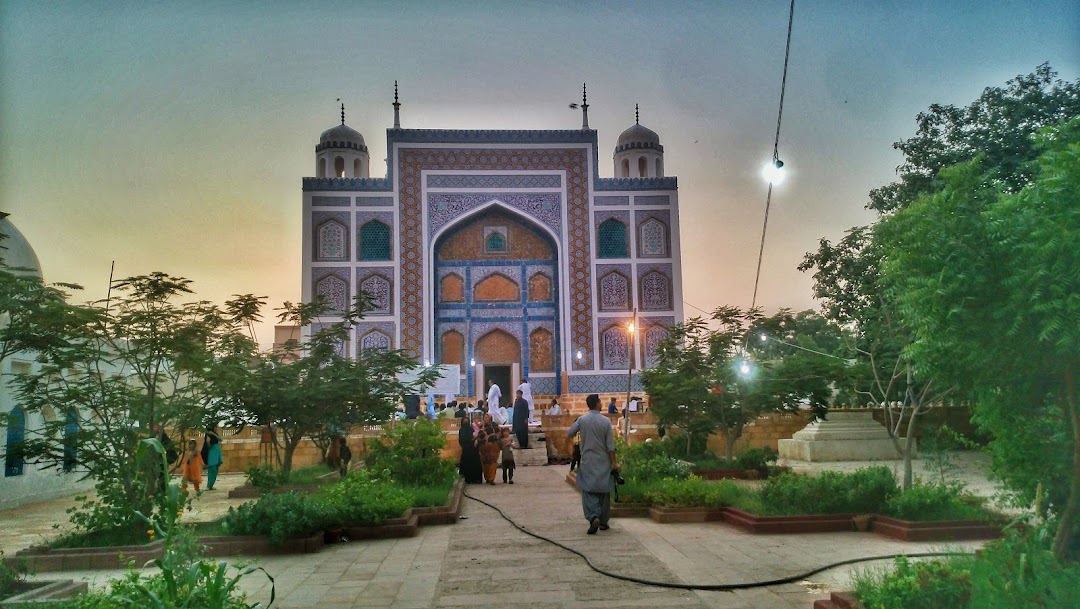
x=597 y=463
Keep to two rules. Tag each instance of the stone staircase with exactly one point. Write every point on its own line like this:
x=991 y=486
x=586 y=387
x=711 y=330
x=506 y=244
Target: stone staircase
x=536 y=454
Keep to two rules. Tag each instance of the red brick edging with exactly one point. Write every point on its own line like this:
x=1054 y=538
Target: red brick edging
x=42 y=558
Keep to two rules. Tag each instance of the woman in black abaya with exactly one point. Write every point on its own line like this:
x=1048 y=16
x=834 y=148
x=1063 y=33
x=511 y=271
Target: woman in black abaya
x=469 y=467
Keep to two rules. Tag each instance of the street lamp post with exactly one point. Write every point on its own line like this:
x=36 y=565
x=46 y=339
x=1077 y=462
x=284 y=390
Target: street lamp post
x=632 y=330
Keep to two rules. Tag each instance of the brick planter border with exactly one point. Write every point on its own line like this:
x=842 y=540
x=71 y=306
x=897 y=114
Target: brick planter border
x=41 y=559
x=803 y=523
x=629 y=510
x=47 y=591
x=666 y=515
x=936 y=530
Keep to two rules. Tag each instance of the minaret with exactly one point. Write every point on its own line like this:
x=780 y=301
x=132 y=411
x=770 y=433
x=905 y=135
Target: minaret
x=397 y=108
x=584 y=108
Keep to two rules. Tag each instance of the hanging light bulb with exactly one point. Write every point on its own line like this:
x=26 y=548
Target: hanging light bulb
x=773 y=171
x=744 y=368
x=580 y=355
x=472 y=362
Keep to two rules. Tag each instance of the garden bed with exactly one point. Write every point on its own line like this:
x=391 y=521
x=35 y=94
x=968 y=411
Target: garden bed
x=40 y=559
x=936 y=530
x=802 y=523
x=250 y=492
x=739 y=474
x=34 y=592
x=838 y=600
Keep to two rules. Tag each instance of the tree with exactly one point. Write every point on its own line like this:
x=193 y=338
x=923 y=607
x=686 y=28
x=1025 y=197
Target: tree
x=988 y=280
x=310 y=387
x=707 y=378
x=118 y=369
x=995 y=129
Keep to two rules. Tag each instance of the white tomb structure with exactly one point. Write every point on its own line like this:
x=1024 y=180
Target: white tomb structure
x=844 y=436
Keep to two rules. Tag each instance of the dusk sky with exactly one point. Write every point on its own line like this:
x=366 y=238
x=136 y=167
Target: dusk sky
x=173 y=136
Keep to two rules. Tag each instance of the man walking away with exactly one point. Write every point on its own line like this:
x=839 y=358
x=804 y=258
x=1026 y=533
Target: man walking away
x=521 y=421
x=597 y=463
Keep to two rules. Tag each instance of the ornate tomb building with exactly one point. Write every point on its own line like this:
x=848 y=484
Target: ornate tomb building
x=504 y=252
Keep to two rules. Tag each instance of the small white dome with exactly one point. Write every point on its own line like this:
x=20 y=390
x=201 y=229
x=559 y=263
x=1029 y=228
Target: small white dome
x=638 y=136
x=17 y=252
x=341 y=136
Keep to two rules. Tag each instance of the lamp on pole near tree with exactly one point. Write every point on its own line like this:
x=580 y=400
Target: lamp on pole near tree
x=632 y=330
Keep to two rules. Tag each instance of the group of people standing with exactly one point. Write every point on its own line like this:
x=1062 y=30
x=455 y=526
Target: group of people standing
x=482 y=444
x=191 y=463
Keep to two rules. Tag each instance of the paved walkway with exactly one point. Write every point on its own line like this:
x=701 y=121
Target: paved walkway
x=482 y=561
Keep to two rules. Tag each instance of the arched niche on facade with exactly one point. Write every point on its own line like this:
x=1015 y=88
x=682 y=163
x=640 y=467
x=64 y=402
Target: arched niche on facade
x=498 y=347
x=452 y=288
x=497 y=287
x=541 y=350
x=614 y=292
x=452 y=348
x=540 y=287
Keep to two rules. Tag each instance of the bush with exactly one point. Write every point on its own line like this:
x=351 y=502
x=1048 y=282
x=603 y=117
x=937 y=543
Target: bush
x=280 y=516
x=362 y=498
x=863 y=491
x=757 y=459
x=934 y=584
x=657 y=467
x=265 y=477
x=923 y=502
x=1021 y=571
x=10 y=577
x=409 y=451
x=693 y=492
x=1018 y=571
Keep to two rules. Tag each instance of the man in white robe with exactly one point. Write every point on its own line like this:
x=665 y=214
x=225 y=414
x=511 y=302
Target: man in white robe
x=494 y=397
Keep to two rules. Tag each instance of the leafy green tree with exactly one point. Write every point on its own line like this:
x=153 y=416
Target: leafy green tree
x=308 y=387
x=848 y=279
x=988 y=280
x=114 y=371
x=707 y=378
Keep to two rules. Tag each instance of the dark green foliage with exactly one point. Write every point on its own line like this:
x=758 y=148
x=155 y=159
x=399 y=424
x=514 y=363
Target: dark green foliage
x=10 y=576
x=1017 y=572
x=430 y=496
x=864 y=491
x=648 y=461
x=757 y=459
x=362 y=498
x=265 y=477
x=693 y=492
x=923 y=502
x=409 y=451
x=279 y=516
x=917 y=585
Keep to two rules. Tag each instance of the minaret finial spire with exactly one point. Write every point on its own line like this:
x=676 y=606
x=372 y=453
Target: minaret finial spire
x=584 y=108
x=397 y=108
x=637 y=115
x=342 y=113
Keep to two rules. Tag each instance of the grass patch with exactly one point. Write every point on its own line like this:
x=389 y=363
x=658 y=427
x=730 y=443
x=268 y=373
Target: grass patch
x=103 y=539
x=430 y=496
x=309 y=474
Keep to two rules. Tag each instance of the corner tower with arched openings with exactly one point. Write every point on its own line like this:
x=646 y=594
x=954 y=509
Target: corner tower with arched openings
x=499 y=251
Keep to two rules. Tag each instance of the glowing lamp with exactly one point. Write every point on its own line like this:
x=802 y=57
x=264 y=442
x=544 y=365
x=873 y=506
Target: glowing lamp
x=773 y=171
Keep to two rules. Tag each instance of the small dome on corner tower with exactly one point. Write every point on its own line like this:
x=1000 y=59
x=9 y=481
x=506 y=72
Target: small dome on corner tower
x=638 y=136
x=341 y=136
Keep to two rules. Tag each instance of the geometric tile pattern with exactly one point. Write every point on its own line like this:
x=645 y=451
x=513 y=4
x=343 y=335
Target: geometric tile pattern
x=652 y=200
x=609 y=200
x=573 y=161
x=330 y=201
x=445 y=208
x=603 y=383
x=495 y=181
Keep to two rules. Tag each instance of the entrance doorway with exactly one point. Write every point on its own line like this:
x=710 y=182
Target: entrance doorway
x=501 y=376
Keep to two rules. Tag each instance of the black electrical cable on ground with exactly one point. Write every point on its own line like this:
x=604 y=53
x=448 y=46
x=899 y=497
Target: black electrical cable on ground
x=712 y=587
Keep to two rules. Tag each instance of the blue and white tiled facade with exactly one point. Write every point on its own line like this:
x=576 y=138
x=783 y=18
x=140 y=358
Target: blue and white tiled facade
x=563 y=318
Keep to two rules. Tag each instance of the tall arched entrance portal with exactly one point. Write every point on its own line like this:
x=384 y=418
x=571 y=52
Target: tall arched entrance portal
x=497 y=301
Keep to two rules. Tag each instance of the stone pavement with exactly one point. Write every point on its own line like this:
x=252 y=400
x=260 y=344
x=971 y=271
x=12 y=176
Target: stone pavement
x=482 y=561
